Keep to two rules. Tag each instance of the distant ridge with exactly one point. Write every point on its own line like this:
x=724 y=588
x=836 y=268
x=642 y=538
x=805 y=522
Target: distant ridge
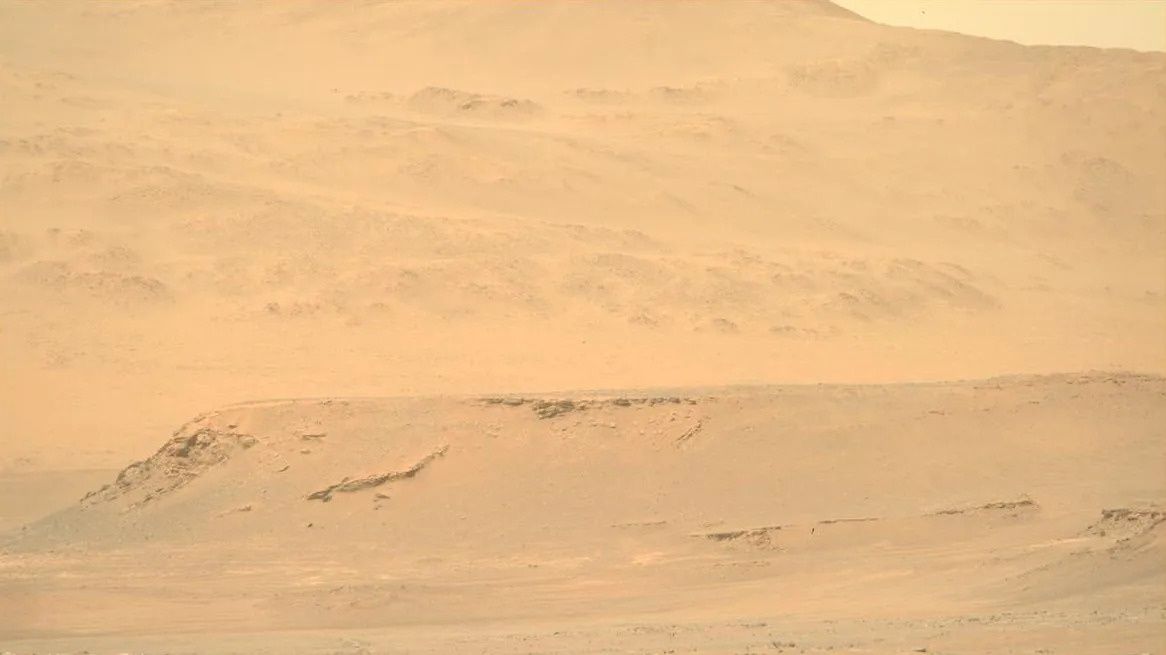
x=828 y=8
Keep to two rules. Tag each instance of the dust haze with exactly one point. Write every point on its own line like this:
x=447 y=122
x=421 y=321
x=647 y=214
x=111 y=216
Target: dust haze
x=575 y=327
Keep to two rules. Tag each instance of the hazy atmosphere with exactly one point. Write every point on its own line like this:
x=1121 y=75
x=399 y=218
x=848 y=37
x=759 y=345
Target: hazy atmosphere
x=1134 y=24
x=693 y=326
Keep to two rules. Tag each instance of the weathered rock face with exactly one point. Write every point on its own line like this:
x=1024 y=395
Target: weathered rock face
x=1123 y=524
x=349 y=485
x=189 y=454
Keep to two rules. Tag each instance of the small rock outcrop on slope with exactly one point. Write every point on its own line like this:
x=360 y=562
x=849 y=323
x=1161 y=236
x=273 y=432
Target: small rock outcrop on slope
x=186 y=456
x=440 y=100
x=756 y=537
x=368 y=482
x=1012 y=507
x=1124 y=523
x=546 y=408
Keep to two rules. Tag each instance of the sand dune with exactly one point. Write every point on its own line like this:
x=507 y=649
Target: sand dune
x=467 y=205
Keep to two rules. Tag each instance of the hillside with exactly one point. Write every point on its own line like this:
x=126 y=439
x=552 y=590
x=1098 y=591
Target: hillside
x=825 y=279
x=608 y=196
x=749 y=510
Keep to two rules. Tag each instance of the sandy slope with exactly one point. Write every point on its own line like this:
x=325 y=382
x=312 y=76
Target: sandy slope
x=965 y=517
x=207 y=202
x=287 y=199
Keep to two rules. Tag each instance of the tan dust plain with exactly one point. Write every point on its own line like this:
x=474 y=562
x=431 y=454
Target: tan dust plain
x=565 y=327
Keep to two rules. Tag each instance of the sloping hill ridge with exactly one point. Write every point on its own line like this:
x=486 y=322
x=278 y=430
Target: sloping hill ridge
x=1024 y=491
x=616 y=194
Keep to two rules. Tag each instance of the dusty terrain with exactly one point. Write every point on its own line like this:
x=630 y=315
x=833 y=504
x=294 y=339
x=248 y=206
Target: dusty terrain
x=429 y=225
x=1013 y=514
